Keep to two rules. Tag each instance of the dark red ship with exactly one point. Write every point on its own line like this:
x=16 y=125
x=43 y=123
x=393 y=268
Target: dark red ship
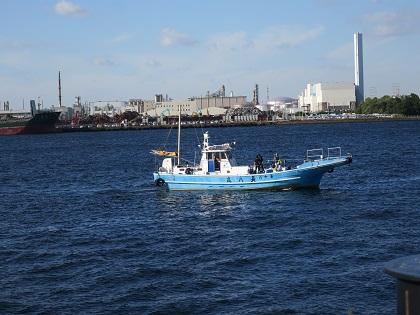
x=15 y=122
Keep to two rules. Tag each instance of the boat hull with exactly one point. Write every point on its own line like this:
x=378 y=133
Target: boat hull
x=308 y=174
x=7 y=131
x=43 y=122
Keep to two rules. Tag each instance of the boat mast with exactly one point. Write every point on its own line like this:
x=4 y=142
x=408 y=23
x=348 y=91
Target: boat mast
x=59 y=89
x=179 y=133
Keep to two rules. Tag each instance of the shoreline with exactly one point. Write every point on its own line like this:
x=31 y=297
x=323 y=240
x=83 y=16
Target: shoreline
x=67 y=128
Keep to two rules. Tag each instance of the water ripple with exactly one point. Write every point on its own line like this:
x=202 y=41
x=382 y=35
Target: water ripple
x=84 y=230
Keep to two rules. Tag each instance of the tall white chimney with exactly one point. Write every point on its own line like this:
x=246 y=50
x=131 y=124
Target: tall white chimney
x=358 y=68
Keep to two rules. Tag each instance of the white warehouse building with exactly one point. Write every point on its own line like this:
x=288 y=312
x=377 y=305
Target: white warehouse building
x=322 y=97
x=212 y=105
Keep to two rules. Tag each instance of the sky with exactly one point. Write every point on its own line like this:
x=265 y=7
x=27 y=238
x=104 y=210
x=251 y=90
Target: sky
x=116 y=50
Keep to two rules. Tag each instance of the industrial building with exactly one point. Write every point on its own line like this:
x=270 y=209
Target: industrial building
x=203 y=103
x=322 y=97
x=214 y=104
x=279 y=104
x=109 y=108
x=196 y=106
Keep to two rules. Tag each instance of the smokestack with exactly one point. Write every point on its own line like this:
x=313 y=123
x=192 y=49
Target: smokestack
x=59 y=88
x=256 y=96
x=358 y=68
x=33 y=107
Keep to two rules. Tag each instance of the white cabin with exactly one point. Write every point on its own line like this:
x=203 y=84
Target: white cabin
x=215 y=160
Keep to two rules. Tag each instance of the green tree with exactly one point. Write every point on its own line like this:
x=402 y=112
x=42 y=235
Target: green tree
x=405 y=105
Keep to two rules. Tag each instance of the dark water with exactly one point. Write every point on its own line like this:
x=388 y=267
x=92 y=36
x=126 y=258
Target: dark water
x=83 y=230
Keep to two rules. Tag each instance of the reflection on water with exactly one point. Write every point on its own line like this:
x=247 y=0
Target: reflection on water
x=222 y=203
x=205 y=203
x=214 y=203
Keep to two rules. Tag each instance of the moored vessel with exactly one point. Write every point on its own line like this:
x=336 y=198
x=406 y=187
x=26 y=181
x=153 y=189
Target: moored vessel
x=20 y=122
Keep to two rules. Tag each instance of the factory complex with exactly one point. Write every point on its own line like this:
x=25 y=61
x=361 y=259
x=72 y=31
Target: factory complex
x=328 y=97
x=336 y=97
x=321 y=97
x=212 y=105
x=315 y=98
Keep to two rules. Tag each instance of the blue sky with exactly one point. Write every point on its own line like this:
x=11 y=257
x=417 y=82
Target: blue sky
x=115 y=50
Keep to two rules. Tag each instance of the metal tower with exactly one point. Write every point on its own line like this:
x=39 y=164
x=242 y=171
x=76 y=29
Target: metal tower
x=358 y=68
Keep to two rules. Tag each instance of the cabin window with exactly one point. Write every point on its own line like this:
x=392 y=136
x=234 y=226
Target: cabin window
x=223 y=155
x=209 y=157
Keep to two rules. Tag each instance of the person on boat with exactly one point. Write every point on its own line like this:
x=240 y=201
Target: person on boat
x=279 y=162
x=217 y=163
x=259 y=168
x=261 y=164
x=274 y=163
x=256 y=164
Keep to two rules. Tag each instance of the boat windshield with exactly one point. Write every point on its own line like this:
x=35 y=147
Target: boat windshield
x=219 y=155
x=220 y=147
x=228 y=155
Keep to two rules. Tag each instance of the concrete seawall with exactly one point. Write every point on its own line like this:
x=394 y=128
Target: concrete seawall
x=69 y=128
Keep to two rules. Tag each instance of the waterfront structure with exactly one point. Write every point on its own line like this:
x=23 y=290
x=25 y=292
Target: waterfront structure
x=279 y=104
x=109 y=108
x=246 y=113
x=219 y=101
x=194 y=106
x=135 y=105
x=66 y=113
x=79 y=109
x=322 y=97
x=255 y=99
x=358 y=68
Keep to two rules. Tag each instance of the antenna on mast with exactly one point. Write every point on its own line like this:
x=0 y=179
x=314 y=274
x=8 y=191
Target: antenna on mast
x=268 y=94
x=179 y=134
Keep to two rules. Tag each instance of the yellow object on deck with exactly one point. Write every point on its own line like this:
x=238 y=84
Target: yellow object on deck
x=163 y=153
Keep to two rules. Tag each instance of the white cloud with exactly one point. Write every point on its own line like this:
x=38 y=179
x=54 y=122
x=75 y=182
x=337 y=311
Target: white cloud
x=283 y=36
x=121 y=38
x=230 y=42
x=153 y=63
x=65 y=7
x=273 y=38
x=343 y=52
x=14 y=45
x=170 y=37
x=103 y=62
x=393 y=23
x=16 y=60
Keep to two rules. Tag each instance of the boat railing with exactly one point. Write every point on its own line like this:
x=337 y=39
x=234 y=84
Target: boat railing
x=314 y=154
x=334 y=152
x=286 y=163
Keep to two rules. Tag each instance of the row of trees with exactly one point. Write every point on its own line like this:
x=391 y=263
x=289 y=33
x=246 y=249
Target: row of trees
x=408 y=105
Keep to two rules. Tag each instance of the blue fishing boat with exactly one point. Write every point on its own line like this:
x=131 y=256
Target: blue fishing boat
x=217 y=169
